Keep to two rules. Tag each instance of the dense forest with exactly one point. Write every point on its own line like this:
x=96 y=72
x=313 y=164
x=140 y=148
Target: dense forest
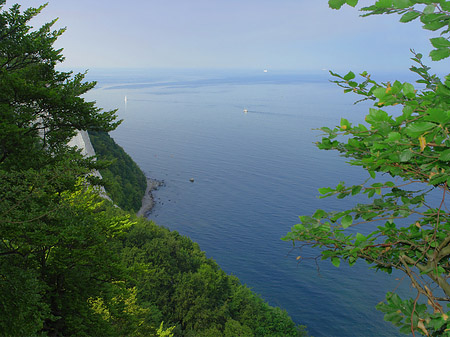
x=124 y=181
x=175 y=282
x=71 y=263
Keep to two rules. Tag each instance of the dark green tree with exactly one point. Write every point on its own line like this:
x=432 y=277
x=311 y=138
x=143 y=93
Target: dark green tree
x=410 y=226
x=35 y=98
x=70 y=262
x=176 y=281
x=55 y=248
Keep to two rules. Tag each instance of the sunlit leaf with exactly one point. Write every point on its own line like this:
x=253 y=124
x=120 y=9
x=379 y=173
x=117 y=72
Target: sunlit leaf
x=408 y=90
x=439 y=54
x=445 y=155
x=402 y=3
x=346 y=221
x=383 y=3
x=440 y=42
x=418 y=128
x=336 y=4
x=325 y=190
x=350 y=76
x=409 y=16
x=336 y=261
x=429 y=9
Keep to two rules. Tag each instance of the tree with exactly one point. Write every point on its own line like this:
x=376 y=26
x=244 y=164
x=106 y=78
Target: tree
x=35 y=98
x=70 y=262
x=57 y=245
x=124 y=181
x=410 y=226
x=176 y=282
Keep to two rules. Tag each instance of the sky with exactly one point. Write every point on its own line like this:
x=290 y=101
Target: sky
x=302 y=35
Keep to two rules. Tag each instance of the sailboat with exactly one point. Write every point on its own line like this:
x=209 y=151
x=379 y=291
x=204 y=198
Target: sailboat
x=125 y=99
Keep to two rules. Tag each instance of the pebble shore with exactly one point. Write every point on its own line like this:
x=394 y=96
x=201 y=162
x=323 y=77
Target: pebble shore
x=147 y=201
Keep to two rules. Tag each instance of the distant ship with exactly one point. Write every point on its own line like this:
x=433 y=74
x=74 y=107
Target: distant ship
x=245 y=110
x=265 y=70
x=125 y=99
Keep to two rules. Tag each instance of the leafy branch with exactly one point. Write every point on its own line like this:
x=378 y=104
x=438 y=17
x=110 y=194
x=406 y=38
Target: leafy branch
x=406 y=227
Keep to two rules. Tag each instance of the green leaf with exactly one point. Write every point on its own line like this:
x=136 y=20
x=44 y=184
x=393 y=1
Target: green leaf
x=360 y=237
x=383 y=3
x=356 y=189
x=434 y=21
x=325 y=190
x=405 y=329
x=350 y=76
x=418 y=128
x=319 y=214
x=440 y=42
x=393 y=136
x=409 y=16
x=393 y=317
x=408 y=90
x=445 y=155
x=352 y=3
x=379 y=92
x=438 y=116
x=346 y=221
x=336 y=261
x=377 y=115
x=406 y=155
x=439 y=54
x=336 y=4
x=402 y=4
x=429 y=9
x=438 y=179
x=345 y=123
x=299 y=227
x=306 y=219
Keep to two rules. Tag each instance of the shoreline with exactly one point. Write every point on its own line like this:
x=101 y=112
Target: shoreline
x=147 y=200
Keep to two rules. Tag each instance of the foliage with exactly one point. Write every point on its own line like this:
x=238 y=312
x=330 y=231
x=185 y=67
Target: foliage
x=56 y=247
x=164 y=333
x=174 y=277
x=70 y=262
x=36 y=98
x=410 y=222
x=124 y=181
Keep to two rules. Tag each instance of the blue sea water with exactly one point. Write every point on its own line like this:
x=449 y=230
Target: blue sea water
x=254 y=174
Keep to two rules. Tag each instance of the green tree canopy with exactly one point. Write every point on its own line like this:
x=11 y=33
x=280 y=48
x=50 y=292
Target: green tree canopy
x=72 y=263
x=55 y=248
x=410 y=143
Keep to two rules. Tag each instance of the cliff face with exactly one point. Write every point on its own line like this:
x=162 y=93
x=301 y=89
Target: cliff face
x=82 y=141
x=124 y=180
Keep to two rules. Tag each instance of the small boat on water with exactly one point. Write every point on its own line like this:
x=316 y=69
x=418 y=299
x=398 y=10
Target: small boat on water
x=245 y=110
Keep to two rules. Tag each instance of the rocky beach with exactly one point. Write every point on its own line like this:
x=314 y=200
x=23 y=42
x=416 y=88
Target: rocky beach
x=147 y=201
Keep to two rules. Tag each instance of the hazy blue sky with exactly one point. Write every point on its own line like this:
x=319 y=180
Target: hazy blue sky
x=283 y=34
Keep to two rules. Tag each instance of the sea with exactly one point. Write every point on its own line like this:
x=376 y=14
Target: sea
x=236 y=151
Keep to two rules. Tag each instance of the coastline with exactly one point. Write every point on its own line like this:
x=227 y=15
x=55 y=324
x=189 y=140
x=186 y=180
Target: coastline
x=147 y=200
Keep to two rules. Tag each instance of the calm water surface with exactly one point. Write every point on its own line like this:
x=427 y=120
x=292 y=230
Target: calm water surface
x=254 y=174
